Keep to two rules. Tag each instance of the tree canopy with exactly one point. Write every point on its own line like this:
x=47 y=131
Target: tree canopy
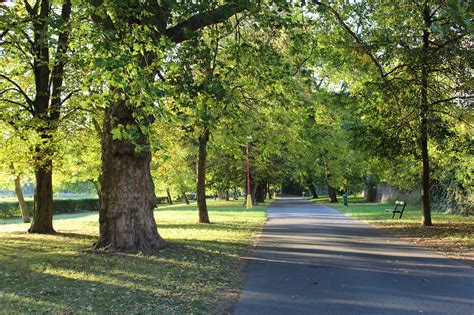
x=146 y=98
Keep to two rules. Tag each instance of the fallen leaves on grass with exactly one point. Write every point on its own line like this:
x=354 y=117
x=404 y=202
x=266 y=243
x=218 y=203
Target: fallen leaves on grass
x=451 y=234
x=453 y=239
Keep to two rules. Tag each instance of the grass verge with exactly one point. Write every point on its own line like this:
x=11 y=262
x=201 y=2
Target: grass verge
x=197 y=274
x=451 y=234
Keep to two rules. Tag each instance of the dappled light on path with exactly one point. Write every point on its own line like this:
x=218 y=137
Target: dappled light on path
x=313 y=259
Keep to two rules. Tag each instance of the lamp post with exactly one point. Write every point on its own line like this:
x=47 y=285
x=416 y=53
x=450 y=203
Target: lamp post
x=249 y=194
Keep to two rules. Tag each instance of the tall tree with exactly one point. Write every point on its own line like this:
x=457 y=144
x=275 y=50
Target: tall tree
x=14 y=163
x=140 y=33
x=420 y=50
x=36 y=37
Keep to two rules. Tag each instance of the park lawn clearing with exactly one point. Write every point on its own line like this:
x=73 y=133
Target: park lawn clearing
x=200 y=272
x=451 y=234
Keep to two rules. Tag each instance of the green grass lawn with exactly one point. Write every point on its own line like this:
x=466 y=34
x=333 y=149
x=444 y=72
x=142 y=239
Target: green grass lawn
x=199 y=273
x=451 y=234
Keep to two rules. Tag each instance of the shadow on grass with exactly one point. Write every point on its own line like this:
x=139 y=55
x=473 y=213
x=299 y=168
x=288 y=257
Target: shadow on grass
x=256 y=209
x=52 y=273
x=180 y=279
x=204 y=226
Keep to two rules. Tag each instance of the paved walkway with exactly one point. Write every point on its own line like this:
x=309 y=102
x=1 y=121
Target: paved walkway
x=312 y=259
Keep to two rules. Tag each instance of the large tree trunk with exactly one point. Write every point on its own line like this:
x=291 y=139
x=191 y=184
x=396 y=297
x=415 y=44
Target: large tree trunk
x=96 y=186
x=370 y=191
x=269 y=191
x=47 y=104
x=260 y=193
x=168 y=193
x=221 y=194
x=43 y=199
x=253 y=192
x=127 y=195
x=332 y=194
x=201 y=177
x=331 y=191
x=185 y=198
x=425 y=173
x=19 y=194
x=312 y=188
x=21 y=200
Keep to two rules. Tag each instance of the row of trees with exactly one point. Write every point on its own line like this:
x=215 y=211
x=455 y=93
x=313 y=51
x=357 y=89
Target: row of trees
x=140 y=96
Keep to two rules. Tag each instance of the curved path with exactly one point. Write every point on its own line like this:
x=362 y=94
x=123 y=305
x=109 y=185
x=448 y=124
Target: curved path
x=313 y=259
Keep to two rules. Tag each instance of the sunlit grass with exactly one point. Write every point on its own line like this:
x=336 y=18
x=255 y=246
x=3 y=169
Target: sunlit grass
x=196 y=274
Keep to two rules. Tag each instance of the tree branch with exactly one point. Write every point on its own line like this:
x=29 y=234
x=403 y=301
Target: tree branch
x=68 y=96
x=452 y=99
x=362 y=46
x=19 y=104
x=106 y=21
x=28 y=100
x=459 y=118
x=28 y=7
x=186 y=29
x=8 y=89
x=394 y=69
x=57 y=73
x=360 y=43
x=23 y=52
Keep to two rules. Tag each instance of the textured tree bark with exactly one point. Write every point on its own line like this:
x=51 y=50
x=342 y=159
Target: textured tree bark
x=253 y=191
x=185 y=198
x=21 y=201
x=168 y=193
x=260 y=193
x=221 y=195
x=47 y=104
x=425 y=173
x=331 y=191
x=43 y=200
x=227 y=195
x=96 y=186
x=127 y=195
x=19 y=194
x=201 y=177
x=269 y=192
x=370 y=191
x=332 y=194
x=312 y=188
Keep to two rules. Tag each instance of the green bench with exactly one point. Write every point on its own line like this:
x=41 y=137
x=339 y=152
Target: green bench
x=399 y=208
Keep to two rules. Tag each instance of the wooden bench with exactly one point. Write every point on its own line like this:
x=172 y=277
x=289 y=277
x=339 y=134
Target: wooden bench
x=398 y=205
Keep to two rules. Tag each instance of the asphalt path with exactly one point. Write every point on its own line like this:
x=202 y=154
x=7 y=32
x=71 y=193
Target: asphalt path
x=312 y=259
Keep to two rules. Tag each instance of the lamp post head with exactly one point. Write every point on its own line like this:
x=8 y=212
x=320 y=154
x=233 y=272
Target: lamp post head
x=249 y=137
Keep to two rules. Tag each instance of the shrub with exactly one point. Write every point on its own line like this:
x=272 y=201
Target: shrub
x=11 y=209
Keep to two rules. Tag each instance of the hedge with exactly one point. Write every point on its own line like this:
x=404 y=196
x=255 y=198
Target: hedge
x=10 y=209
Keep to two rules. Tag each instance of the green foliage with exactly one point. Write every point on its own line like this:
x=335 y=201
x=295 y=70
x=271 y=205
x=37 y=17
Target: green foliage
x=323 y=105
x=388 y=65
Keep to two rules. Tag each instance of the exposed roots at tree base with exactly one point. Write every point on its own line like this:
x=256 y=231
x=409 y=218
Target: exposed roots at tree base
x=41 y=231
x=146 y=248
